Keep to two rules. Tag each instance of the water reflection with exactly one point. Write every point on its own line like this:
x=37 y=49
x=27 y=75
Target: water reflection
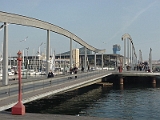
x=128 y=102
x=68 y=103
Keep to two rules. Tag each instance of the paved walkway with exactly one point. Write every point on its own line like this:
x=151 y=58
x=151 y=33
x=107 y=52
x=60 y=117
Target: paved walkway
x=37 y=94
x=31 y=116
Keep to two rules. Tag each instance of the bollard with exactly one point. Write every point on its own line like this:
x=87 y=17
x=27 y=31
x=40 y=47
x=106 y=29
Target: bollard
x=154 y=80
x=120 y=69
x=121 y=81
x=19 y=108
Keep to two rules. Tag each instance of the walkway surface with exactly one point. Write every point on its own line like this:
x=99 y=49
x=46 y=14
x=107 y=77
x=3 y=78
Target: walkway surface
x=10 y=101
x=32 y=116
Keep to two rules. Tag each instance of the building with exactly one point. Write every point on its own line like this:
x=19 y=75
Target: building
x=116 y=49
x=75 y=57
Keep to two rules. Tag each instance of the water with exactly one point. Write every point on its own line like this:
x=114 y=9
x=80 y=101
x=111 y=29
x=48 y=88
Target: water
x=131 y=102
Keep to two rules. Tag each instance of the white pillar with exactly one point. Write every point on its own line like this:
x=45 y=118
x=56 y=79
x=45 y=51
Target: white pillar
x=127 y=51
x=132 y=57
x=48 y=52
x=85 y=57
x=102 y=61
x=150 y=60
x=130 y=54
x=5 y=55
x=124 y=55
x=70 y=52
x=95 y=61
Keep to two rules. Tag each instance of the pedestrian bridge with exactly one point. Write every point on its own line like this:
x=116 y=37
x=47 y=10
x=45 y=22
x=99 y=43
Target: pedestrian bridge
x=10 y=18
x=36 y=89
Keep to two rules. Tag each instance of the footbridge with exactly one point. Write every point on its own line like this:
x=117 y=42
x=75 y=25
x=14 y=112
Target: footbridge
x=9 y=18
x=34 y=89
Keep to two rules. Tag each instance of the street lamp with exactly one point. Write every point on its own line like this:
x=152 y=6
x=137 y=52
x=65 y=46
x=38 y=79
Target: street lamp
x=23 y=52
x=39 y=55
x=27 y=61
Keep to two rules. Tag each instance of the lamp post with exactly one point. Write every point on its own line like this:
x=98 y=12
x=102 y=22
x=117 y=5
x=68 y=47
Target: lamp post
x=39 y=56
x=19 y=108
x=27 y=62
x=23 y=52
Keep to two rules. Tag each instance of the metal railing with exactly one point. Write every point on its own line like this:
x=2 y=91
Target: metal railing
x=31 y=85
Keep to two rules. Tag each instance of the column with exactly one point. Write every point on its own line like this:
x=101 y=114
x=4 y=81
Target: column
x=95 y=61
x=5 y=55
x=127 y=52
x=102 y=61
x=130 y=55
x=85 y=56
x=121 y=80
x=70 y=53
x=150 y=60
x=48 y=52
x=124 y=55
x=153 y=80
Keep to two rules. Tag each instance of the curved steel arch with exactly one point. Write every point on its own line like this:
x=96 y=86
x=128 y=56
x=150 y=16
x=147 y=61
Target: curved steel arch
x=32 y=22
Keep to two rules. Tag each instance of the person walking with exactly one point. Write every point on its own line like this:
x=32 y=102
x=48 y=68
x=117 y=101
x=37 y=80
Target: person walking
x=75 y=71
x=70 y=71
x=50 y=74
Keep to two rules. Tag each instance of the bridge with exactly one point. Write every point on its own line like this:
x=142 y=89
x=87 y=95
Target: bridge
x=9 y=18
x=34 y=89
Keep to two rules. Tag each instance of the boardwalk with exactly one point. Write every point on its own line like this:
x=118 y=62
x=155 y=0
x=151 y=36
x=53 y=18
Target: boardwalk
x=31 y=116
x=57 y=85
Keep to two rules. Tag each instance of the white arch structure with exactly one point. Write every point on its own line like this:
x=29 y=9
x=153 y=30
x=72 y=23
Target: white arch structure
x=130 y=52
x=32 y=22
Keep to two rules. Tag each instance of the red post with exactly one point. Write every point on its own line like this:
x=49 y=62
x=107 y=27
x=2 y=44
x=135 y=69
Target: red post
x=19 y=108
x=120 y=69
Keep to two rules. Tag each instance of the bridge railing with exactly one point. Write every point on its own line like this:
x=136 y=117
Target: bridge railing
x=34 y=84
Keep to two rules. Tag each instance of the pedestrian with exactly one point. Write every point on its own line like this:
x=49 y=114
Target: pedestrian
x=50 y=74
x=82 y=69
x=75 y=71
x=71 y=71
x=88 y=67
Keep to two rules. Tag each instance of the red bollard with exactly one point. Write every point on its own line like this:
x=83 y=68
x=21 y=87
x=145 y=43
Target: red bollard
x=19 y=108
x=120 y=69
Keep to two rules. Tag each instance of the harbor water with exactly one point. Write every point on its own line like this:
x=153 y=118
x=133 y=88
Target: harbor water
x=130 y=102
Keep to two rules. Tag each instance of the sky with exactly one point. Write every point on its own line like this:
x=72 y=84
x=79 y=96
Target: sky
x=100 y=23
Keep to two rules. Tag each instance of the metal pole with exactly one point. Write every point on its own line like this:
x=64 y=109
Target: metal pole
x=39 y=60
x=19 y=108
x=27 y=63
x=23 y=60
x=5 y=55
x=19 y=76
